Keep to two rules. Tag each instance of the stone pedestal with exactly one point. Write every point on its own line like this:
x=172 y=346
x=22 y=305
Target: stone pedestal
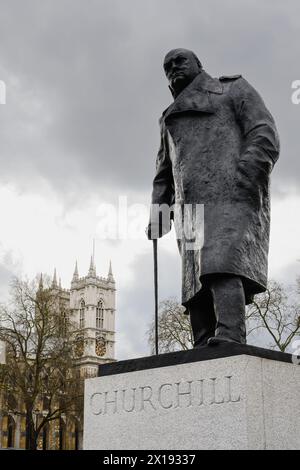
x=218 y=397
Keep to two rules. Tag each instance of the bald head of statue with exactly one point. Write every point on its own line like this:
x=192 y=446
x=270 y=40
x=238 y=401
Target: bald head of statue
x=181 y=66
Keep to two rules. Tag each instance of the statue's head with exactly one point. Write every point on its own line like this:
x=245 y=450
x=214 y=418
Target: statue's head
x=181 y=67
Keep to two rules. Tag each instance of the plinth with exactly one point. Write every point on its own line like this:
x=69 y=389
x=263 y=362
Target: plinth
x=218 y=397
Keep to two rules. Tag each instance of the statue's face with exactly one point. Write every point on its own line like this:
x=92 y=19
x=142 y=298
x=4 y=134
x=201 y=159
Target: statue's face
x=181 y=67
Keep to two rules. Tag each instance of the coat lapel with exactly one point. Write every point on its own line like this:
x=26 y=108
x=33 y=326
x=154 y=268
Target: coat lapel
x=195 y=97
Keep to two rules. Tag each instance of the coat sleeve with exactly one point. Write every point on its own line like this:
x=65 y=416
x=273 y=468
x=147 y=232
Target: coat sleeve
x=163 y=195
x=261 y=139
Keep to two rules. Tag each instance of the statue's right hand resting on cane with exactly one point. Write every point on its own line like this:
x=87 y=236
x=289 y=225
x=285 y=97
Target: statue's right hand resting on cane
x=154 y=230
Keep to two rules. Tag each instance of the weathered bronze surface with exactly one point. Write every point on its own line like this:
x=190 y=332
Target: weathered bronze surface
x=219 y=144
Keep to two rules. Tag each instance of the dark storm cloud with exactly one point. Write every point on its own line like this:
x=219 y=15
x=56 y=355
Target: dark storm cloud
x=85 y=85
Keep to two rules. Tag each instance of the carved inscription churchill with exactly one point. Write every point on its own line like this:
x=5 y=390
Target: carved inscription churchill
x=198 y=392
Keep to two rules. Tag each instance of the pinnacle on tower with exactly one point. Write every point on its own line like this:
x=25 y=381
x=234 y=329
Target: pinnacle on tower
x=59 y=283
x=41 y=286
x=54 y=281
x=75 y=275
x=92 y=270
x=110 y=276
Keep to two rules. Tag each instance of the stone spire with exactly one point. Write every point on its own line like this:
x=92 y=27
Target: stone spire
x=75 y=275
x=54 y=281
x=92 y=270
x=41 y=285
x=59 y=283
x=110 y=276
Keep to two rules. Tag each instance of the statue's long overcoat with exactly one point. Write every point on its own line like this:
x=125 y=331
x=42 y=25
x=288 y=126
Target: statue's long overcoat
x=218 y=146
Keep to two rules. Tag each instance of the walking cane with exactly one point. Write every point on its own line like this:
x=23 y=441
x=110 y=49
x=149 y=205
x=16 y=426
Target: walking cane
x=155 y=294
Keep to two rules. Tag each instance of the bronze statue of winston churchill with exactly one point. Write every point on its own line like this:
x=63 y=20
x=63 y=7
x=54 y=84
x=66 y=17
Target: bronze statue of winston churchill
x=219 y=144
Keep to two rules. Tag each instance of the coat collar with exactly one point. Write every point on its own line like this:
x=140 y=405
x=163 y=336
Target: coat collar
x=205 y=82
x=195 y=96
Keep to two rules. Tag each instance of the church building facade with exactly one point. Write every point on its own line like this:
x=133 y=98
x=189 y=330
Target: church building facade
x=91 y=304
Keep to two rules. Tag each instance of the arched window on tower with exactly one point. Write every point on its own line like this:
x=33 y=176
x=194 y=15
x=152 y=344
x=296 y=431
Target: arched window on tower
x=64 y=322
x=99 y=315
x=81 y=314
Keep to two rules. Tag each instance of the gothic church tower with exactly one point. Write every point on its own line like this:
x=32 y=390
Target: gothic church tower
x=92 y=309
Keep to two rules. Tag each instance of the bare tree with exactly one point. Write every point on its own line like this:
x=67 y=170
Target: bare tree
x=276 y=312
x=39 y=380
x=174 y=328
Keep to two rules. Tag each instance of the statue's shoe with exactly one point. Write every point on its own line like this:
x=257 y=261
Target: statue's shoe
x=215 y=340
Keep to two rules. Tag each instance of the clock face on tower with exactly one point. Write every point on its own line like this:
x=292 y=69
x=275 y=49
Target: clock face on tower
x=100 y=346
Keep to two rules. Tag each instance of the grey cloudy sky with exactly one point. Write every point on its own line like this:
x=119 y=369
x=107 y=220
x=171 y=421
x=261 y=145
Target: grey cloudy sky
x=85 y=88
